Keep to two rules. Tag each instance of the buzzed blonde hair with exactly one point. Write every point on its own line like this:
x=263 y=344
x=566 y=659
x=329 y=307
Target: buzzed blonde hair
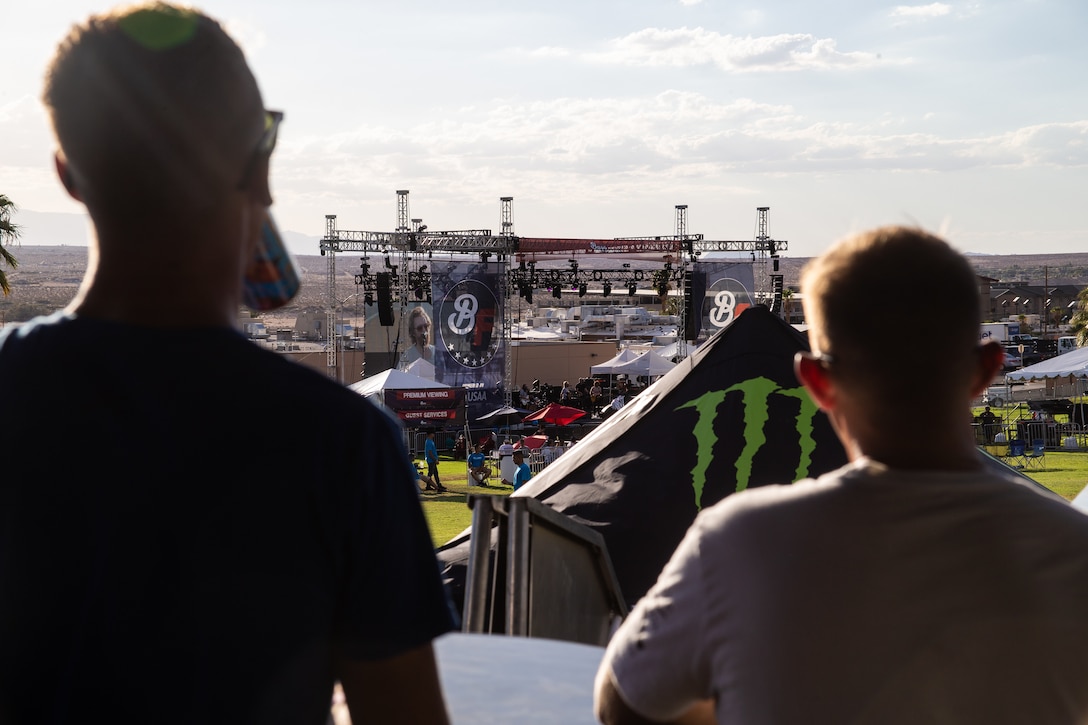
x=154 y=107
x=878 y=300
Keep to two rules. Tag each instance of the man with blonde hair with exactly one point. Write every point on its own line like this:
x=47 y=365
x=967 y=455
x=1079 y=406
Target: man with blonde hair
x=194 y=529
x=913 y=585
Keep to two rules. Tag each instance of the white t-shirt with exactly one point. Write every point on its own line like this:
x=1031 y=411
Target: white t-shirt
x=869 y=596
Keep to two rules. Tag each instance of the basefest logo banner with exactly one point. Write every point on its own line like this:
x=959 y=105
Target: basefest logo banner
x=721 y=291
x=468 y=334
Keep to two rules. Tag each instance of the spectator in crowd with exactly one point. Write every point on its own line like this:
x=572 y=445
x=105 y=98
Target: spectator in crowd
x=621 y=386
x=423 y=478
x=914 y=585
x=158 y=571
x=430 y=454
x=990 y=424
x=522 y=474
x=478 y=470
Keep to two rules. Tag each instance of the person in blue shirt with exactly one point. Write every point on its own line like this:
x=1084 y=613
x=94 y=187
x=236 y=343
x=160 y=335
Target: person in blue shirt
x=477 y=466
x=430 y=451
x=522 y=474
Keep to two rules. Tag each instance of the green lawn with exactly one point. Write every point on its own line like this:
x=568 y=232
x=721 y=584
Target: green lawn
x=448 y=514
x=1063 y=472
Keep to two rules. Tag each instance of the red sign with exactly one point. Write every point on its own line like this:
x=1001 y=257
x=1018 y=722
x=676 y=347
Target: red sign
x=434 y=406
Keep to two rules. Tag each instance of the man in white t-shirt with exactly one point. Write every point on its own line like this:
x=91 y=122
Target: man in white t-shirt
x=913 y=585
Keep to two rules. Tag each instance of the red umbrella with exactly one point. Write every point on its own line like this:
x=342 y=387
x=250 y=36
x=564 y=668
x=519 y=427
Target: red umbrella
x=555 y=414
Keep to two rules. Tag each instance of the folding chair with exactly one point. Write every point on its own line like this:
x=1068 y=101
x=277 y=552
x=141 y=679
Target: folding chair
x=1035 y=457
x=1017 y=453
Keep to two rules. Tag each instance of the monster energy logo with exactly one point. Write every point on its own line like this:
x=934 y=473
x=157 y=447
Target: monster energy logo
x=755 y=396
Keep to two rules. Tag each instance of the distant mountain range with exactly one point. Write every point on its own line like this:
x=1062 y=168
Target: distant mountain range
x=50 y=228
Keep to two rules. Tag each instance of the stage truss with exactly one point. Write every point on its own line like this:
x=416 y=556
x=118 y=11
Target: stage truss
x=404 y=257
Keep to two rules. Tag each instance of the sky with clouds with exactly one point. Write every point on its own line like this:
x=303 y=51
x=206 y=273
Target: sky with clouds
x=599 y=117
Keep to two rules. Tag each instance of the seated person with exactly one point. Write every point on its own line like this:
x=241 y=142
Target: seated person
x=478 y=470
x=423 y=478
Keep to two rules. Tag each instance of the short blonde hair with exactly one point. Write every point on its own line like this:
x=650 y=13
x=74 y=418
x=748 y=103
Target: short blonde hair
x=873 y=296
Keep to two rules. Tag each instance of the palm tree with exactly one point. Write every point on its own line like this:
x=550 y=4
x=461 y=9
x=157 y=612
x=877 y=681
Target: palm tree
x=787 y=304
x=8 y=233
x=1078 y=324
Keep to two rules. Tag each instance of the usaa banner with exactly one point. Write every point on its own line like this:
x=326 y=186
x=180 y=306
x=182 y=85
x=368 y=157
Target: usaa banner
x=469 y=349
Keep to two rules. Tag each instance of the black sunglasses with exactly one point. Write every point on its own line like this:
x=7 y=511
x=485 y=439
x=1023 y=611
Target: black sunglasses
x=272 y=121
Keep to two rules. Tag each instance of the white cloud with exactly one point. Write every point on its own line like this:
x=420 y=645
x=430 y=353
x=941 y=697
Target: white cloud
x=685 y=47
x=933 y=10
x=576 y=151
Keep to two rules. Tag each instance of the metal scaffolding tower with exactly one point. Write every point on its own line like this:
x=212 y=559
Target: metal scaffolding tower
x=413 y=244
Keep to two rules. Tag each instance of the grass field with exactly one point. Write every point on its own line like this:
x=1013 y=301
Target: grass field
x=448 y=514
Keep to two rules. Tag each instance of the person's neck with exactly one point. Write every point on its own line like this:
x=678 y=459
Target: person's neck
x=136 y=281
x=919 y=445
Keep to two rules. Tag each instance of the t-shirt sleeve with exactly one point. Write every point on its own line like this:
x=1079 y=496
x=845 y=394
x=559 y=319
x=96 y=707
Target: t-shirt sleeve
x=657 y=659
x=393 y=597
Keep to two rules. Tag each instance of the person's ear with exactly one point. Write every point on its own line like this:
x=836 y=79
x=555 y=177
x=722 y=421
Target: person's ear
x=989 y=361
x=64 y=172
x=812 y=372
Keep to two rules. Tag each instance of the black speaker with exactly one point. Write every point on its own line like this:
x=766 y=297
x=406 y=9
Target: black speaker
x=776 y=288
x=385 y=299
x=692 y=312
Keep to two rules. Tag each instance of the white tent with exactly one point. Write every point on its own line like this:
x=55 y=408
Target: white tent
x=1081 y=500
x=420 y=368
x=673 y=349
x=1073 y=363
x=648 y=363
x=608 y=366
x=392 y=379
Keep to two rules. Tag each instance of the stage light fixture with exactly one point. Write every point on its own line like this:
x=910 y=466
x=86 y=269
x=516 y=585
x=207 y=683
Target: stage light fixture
x=607 y=289
x=631 y=289
x=582 y=289
x=557 y=292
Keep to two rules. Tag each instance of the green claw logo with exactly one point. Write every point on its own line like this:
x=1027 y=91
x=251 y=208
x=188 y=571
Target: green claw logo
x=755 y=394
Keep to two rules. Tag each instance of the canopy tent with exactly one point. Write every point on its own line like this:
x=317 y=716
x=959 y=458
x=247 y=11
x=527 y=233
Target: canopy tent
x=1073 y=363
x=648 y=363
x=392 y=379
x=606 y=368
x=555 y=414
x=728 y=417
x=504 y=414
x=671 y=350
x=1080 y=501
x=420 y=368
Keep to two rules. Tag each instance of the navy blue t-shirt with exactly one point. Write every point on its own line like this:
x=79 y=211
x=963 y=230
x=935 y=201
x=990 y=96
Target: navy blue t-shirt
x=191 y=527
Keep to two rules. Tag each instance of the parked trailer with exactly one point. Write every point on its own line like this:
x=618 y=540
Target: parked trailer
x=1001 y=331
